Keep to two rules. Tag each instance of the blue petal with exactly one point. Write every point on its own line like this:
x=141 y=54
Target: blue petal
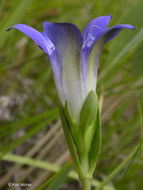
x=90 y=34
x=94 y=28
x=94 y=53
x=68 y=41
x=112 y=32
x=45 y=44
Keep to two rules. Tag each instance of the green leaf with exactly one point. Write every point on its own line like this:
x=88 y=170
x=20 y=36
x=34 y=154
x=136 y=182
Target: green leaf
x=44 y=165
x=1 y=6
x=89 y=110
x=4 y=148
x=120 y=167
x=12 y=127
x=14 y=16
x=57 y=180
x=95 y=145
x=77 y=136
x=140 y=111
x=126 y=40
x=69 y=139
x=137 y=61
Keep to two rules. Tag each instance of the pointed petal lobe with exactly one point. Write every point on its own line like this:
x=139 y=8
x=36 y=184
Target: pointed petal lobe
x=45 y=44
x=112 y=32
x=90 y=34
x=95 y=51
x=94 y=28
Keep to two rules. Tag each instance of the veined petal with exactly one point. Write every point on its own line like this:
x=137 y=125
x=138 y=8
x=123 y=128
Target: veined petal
x=94 y=28
x=90 y=34
x=68 y=41
x=95 y=51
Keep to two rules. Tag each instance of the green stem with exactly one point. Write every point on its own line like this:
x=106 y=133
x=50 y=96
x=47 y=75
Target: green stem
x=86 y=184
x=85 y=179
x=84 y=164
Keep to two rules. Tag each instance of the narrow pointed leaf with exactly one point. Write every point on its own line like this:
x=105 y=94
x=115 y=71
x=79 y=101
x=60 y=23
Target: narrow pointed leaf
x=14 y=16
x=95 y=145
x=69 y=140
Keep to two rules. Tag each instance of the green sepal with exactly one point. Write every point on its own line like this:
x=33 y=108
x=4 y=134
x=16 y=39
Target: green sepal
x=67 y=114
x=77 y=137
x=95 y=144
x=88 y=111
x=69 y=139
x=88 y=116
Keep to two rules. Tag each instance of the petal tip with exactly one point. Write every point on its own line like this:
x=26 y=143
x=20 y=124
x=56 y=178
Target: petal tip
x=45 y=23
x=133 y=28
x=8 y=29
x=110 y=15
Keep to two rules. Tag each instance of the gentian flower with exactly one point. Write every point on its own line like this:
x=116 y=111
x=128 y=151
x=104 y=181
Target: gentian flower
x=74 y=56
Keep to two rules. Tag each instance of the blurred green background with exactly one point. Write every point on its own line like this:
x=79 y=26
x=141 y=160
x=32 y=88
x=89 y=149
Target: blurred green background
x=30 y=128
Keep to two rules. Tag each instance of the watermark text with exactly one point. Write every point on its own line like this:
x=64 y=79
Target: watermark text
x=11 y=184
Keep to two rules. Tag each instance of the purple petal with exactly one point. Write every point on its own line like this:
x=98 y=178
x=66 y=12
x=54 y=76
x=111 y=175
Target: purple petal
x=44 y=43
x=68 y=41
x=90 y=33
x=112 y=32
x=94 y=28
x=62 y=33
x=47 y=46
x=94 y=53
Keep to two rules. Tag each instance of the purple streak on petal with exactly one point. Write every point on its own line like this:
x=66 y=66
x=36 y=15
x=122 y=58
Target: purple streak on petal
x=109 y=34
x=68 y=41
x=90 y=33
x=96 y=49
x=56 y=31
x=94 y=28
x=60 y=34
x=99 y=24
